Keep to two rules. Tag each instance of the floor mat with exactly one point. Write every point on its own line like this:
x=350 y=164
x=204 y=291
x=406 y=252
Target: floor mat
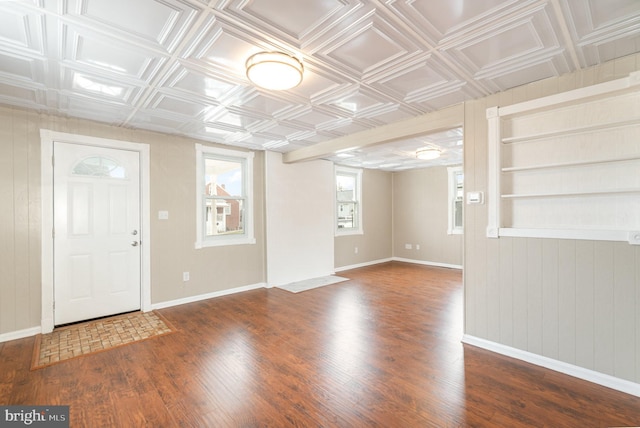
x=82 y=339
x=309 y=284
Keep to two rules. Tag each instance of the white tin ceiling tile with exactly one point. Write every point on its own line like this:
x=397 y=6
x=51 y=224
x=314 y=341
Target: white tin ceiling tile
x=347 y=52
x=604 y=30
x=21 y=68
x=239 y=122
x=21 y=28
x=12 y=94
x=268 y=104
x=110 y=56
x=524 y=75
x=172 y=104
x=162 y=23
x=439 y=18
x=280 y=130
x=94 y=109
x=222 y=51
x=98 y=87
x=315 y=118
x=300 y=22
x=197 y=84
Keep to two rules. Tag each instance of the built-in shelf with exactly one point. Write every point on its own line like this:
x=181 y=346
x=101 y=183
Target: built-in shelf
x=555 y=160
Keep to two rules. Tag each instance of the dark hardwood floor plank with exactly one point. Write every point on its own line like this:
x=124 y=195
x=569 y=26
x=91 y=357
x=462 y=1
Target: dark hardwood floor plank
x=380 y=350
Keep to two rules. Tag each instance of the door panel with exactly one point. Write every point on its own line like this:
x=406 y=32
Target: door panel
x=96 y=221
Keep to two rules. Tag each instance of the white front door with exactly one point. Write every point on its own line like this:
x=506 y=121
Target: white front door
x=96 y=198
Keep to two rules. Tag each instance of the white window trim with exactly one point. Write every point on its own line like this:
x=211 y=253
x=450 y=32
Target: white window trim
x=246 y=238
x=356 y=230
x=451 y=228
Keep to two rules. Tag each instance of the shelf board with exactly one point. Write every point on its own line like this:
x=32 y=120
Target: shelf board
x=570 y=164
x=611 y=192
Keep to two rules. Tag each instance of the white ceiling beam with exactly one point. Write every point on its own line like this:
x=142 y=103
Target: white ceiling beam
x=430 y=123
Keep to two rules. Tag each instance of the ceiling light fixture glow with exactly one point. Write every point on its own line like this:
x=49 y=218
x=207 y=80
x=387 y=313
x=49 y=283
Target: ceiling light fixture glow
x=428 y=153
x=274 y=70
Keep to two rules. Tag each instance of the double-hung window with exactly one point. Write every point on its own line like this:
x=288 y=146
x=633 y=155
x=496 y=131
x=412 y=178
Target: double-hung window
x=348 y=184
x=225 y=197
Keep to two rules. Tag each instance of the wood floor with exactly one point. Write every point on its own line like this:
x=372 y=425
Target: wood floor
x=382 y=349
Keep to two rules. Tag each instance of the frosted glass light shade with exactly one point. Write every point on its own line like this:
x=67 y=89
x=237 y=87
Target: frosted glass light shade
x=427 y=153
x=274 y=70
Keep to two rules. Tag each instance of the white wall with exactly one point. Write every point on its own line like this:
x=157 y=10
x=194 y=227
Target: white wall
x=299 y=207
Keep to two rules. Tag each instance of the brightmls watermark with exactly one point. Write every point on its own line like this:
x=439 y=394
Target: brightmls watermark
x=34 y=416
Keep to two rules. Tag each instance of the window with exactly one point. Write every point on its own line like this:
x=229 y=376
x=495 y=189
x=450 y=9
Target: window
x=456 y=198
x=225 y=197
x=348 y=201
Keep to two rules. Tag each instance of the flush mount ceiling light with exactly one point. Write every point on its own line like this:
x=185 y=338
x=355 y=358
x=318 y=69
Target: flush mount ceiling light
x=274 y=70
x=428 y=153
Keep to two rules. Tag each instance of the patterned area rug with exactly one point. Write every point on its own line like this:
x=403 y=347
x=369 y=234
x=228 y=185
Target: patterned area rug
x=78 y=340
x=309 y=284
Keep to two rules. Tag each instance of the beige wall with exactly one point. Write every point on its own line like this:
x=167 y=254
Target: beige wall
x=172 y=241
x=375 y=243
x=572 y=301
x=420 y=217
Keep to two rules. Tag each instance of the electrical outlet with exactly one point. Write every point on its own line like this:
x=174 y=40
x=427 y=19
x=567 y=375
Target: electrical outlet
x=417 y=246
x=355 y=250
x=185 y=276
x=408 y=246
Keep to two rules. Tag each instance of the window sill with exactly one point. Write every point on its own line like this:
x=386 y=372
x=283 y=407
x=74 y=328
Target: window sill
x=224 y=242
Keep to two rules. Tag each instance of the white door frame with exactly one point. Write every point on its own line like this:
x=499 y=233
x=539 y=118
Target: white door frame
x=47 y=138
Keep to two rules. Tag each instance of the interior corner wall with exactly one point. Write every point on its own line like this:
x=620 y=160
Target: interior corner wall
x=375 y=243
x=299 y=207
x=573 y=301
x=420 y=217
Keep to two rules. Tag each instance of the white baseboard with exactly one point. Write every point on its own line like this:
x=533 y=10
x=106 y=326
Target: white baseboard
x=422 y=262
x=206 y=296
x=359 y=265
x=20 y=334
x=558 y=366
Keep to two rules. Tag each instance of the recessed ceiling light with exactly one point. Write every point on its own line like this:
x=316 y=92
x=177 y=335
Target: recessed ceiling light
x=274 y=70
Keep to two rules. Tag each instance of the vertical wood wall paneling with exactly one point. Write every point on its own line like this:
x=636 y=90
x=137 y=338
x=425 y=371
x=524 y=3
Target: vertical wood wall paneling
x=520 y=318
x=567 y=301
x=506 y=291
x=7 y=207
x=624 y=314
x=21 y=217
x=534 y=295
x=585 y=305
x=35 y=218
x=550 y=298
x=571 y=300
x=603 y=299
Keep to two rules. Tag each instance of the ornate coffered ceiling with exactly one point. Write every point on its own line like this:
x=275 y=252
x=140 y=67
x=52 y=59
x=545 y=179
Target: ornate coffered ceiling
x=177 y=66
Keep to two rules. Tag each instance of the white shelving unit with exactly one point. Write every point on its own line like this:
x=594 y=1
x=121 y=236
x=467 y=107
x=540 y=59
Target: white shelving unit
x=567 y=165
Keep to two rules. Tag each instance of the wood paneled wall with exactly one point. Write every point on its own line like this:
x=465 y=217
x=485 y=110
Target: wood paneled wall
x=573 y=301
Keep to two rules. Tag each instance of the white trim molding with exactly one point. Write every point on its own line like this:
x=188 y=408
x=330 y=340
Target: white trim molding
x=206 y=296
x=365 y=264
x=555 y=365
x=20 y=334
x=427 y=263
x=47 y=139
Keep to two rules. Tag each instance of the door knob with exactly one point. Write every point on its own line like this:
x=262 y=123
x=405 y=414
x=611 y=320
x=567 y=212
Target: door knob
x=134 y=244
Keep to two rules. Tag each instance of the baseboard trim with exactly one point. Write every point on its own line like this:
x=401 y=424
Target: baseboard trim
x=20 y=334
x=365 y=264
x=206 y=296
x=602 y=379
x=427 y=263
